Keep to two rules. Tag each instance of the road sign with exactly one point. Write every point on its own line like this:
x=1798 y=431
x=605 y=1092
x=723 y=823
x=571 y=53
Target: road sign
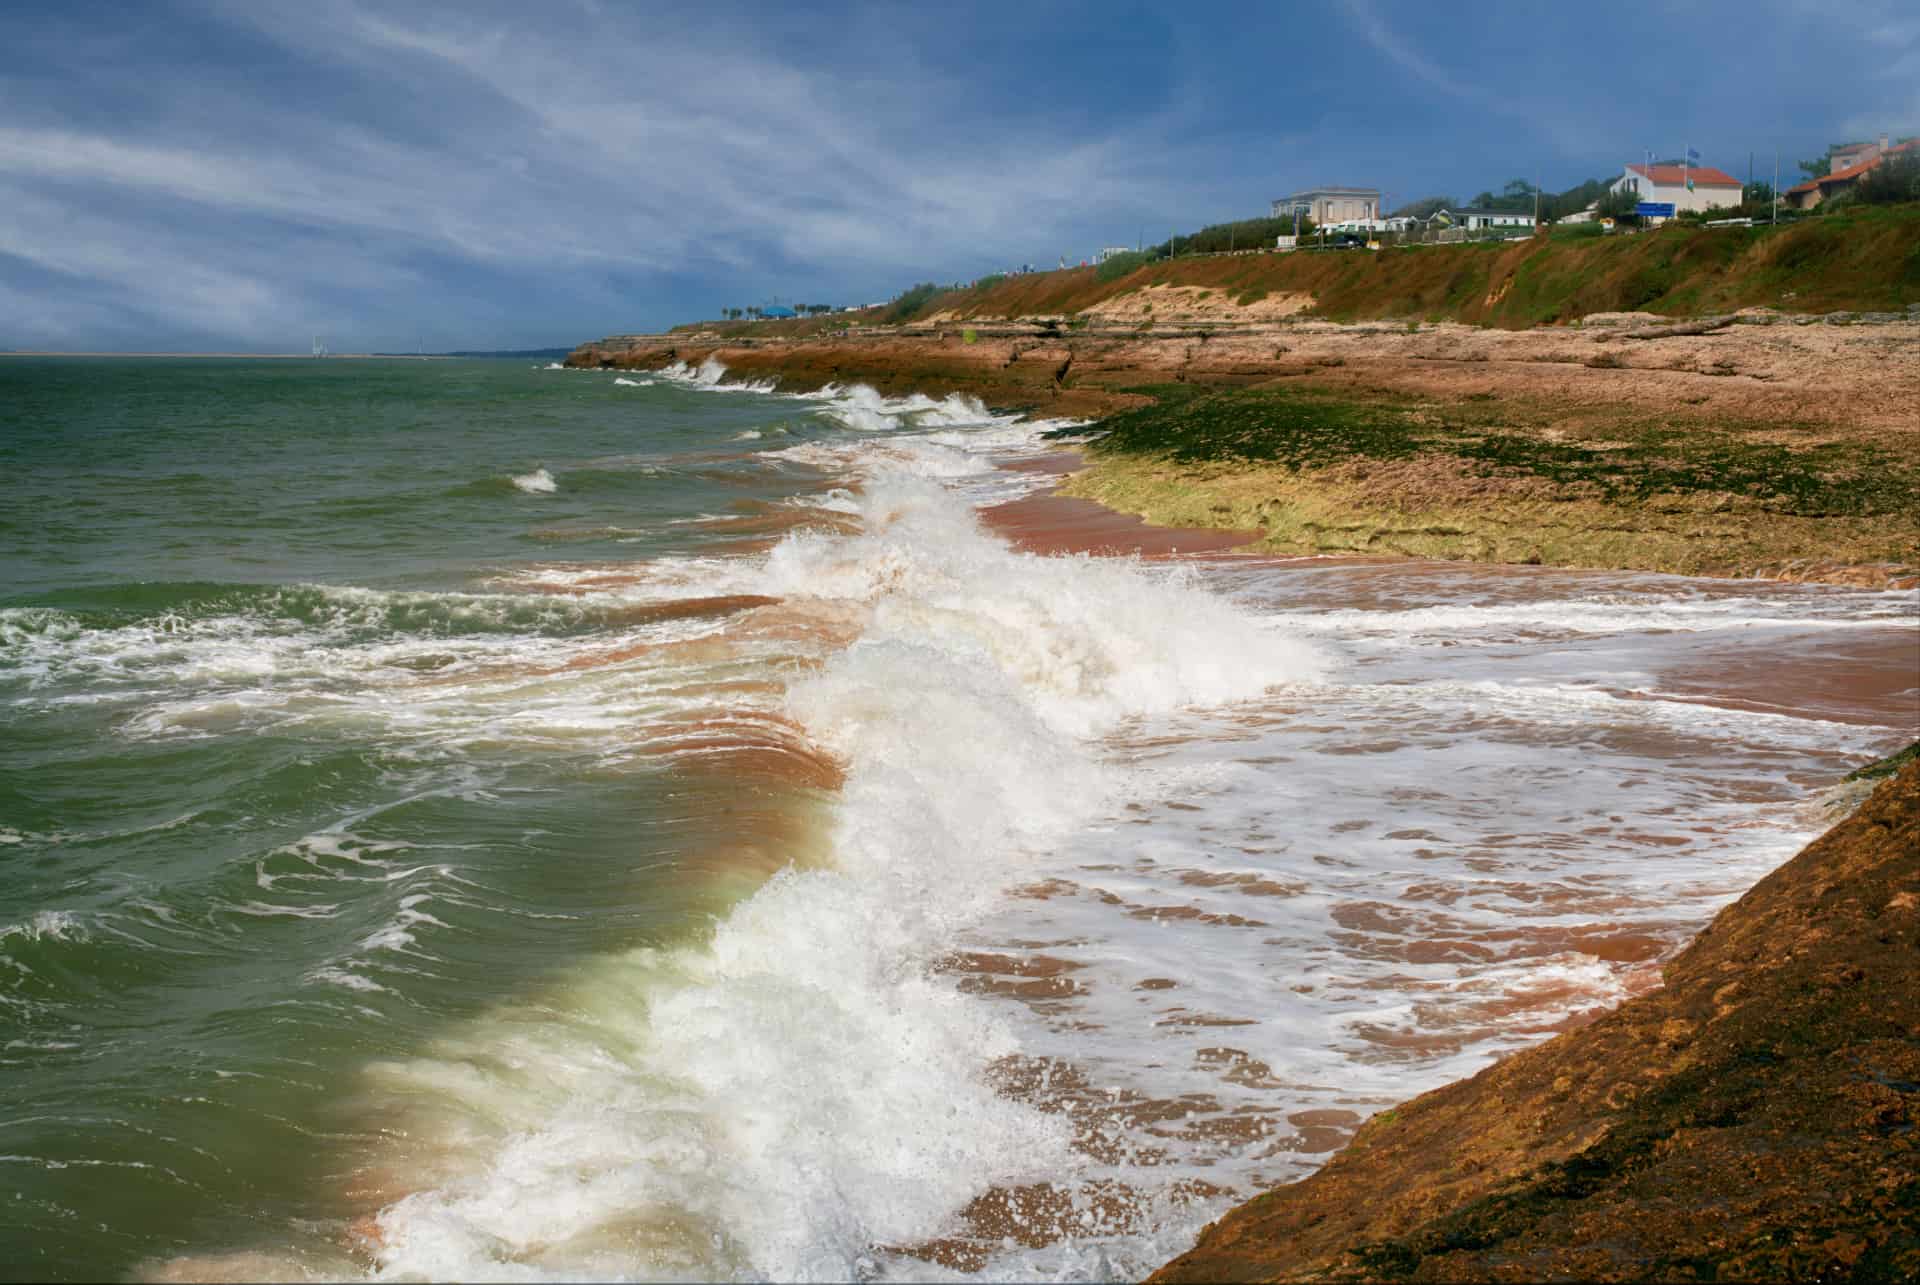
x=1654 y=209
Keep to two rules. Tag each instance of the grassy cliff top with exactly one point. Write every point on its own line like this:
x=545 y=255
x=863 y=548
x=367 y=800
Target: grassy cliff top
x=1866 y=259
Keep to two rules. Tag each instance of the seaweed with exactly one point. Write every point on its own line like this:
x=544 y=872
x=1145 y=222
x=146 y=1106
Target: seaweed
x=1305 y=429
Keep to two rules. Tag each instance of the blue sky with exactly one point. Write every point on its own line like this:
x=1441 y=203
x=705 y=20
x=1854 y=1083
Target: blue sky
x=247 y=174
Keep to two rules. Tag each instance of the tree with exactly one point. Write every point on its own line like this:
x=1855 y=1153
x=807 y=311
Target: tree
x=1620 y=204
x=1574 y=199
x=1897 y=178
x=1424 y=208
x=1517 y=195
x=1821 y=165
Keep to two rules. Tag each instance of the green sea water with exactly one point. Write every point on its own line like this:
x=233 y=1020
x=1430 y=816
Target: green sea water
x=228 y=784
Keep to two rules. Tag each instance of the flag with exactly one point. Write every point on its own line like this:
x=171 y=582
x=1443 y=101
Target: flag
x=1692 y=155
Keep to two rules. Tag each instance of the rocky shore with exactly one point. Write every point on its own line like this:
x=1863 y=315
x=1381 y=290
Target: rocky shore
x=1752 y=1119
x=1751 y=444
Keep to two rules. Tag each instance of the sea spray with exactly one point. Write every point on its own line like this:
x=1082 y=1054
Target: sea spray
x=805 y=1088
x=538 y=482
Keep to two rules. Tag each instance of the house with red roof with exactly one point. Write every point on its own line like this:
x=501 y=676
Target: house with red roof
x=1845 y=169
x=1685 y=187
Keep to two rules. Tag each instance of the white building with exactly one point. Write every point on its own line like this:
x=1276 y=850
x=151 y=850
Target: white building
x=1476 y=220
x=1331 y=204
x=1667 y=185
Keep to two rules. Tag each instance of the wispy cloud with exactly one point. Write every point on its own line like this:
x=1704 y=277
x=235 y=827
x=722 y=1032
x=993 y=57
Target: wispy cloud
x=1389 y=42
x=1569 y=132
x=644 y=149
x=235 y=165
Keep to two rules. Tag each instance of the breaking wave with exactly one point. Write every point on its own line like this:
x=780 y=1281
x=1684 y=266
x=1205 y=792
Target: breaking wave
x=538 y=482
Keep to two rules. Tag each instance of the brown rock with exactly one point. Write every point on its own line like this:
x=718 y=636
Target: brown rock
x=1752 y=1120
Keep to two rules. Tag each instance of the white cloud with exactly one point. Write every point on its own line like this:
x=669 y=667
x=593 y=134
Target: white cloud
x=518 y=146
x=413 y=143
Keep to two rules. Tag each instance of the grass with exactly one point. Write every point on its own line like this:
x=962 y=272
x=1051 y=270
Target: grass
x=1867 y=259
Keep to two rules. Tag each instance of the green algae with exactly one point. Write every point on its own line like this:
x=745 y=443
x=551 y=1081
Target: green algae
x=1303 y=429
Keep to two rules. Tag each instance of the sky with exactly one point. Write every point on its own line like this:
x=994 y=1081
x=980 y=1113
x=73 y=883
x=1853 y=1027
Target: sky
x=246 y=175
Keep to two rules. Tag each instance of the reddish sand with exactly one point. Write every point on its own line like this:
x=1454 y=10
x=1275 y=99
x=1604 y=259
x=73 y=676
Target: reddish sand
x=1047 y=523
x=1855 y=679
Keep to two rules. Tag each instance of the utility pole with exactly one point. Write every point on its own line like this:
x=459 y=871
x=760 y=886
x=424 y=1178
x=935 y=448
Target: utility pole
x=1776 y=187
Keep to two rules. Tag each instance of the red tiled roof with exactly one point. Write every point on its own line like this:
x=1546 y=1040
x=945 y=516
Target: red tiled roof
x=1855 y=171
x=1852 y=171
x=1674 y=175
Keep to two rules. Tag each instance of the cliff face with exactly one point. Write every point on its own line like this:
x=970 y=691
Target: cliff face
x=1753 y=1119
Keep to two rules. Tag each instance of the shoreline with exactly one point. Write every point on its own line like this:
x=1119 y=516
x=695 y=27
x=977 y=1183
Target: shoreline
x=1756 y=449
x=1048 y=522
x=1586 y=1155
x=1751 y=1118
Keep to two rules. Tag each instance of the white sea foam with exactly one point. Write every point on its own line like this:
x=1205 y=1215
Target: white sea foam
x=330 y=975
x=538 y=482
x=47 y=925
x=624 y=382
x=866 y=410
x=710 y=376
x=804 y=1088
x=1272 y=827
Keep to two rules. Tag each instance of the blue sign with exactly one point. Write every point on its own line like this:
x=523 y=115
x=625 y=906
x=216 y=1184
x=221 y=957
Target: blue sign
x=1654 y=209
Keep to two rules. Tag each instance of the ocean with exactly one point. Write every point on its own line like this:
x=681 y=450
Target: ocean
x=479 y=820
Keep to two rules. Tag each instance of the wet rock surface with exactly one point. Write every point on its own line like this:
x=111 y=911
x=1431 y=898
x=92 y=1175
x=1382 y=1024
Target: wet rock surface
x=1753 y=1119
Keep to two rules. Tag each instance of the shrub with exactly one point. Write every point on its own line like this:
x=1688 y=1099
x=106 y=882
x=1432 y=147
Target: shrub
x=1620 y=205
x=910 y=303
x=1119 y=265
x=1895 y=179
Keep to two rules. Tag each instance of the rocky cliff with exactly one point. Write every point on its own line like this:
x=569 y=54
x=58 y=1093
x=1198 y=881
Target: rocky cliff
x=1753 y=1119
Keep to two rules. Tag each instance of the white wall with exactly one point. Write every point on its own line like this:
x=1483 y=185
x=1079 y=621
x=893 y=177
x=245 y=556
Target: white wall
x=1701 y=198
